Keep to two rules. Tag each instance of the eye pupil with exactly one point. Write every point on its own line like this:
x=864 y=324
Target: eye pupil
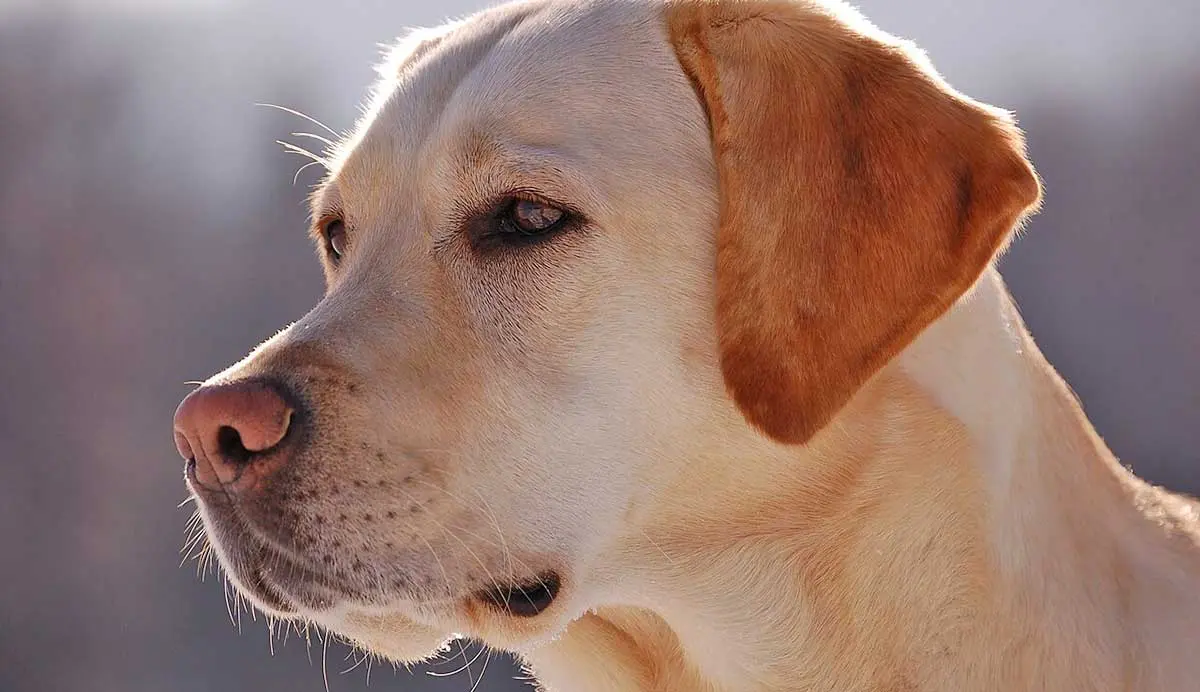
x=533 y=218
x=335 y=238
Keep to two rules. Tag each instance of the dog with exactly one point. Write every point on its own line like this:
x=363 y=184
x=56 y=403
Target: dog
x=663 y=346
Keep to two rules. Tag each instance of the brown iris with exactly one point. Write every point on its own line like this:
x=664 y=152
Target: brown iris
x=534 y=218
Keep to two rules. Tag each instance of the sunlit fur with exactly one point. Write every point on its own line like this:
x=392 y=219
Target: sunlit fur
x=902 y=496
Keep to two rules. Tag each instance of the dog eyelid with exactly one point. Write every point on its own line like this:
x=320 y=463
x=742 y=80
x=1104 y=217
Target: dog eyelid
x=331 y=230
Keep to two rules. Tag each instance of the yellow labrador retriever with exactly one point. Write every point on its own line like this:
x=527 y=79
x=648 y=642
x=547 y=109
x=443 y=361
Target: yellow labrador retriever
x=663 y=346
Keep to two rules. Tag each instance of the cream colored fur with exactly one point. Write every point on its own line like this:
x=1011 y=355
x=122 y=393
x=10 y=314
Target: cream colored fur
x=985 y=542
x=956 y=526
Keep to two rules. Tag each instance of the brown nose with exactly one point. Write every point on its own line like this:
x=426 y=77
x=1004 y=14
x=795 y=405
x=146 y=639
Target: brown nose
x=226 y=429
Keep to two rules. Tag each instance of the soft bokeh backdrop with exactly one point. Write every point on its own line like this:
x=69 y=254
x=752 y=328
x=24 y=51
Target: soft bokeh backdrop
x=150 y=234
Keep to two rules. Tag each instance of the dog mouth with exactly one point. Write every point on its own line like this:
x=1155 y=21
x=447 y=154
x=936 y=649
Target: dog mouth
x=526 y=599
x=254 y=582
x=276 y=581
x=279 y=581
x=287 y=583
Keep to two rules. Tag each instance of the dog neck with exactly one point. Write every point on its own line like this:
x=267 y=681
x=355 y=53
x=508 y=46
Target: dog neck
x=958 y=526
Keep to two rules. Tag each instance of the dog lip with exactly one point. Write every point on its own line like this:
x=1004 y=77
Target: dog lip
x=265 y=592
x=244 y=560
x=284 y=582
x=527 y=599
x=278 y=580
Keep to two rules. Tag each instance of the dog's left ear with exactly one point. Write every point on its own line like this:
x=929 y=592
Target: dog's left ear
x=860 y=197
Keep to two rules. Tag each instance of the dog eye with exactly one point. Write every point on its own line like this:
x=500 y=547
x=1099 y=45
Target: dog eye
x=335 y=238
x=517 y=222
x=531 y=218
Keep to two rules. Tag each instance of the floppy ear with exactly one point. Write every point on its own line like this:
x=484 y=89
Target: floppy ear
x=860 y=197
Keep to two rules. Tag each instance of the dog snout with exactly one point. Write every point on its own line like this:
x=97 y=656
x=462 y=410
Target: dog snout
x=233 y=432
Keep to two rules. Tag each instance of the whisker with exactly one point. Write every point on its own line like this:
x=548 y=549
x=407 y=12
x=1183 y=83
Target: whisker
x=189 y=547
x=659 y=547
x=296 y=178
x=228 y=602
x=204 y=561
x=357 y=662
x=466 y=666
x=450 y=533
x=324 y=659
x=506 y=554
x=445 y=575
x=520 y=562
x=319 y=138
x=463 y=650
x=297 y=149
x=238 y=604
x=307 y=641
x=510 y=557
x=298 y=114
x=483 y=671
x=193 y=532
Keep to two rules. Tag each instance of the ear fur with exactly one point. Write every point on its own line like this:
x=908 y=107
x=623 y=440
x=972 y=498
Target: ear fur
x=860 y=197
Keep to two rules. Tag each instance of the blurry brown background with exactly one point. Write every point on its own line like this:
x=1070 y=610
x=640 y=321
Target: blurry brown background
x=150 y=234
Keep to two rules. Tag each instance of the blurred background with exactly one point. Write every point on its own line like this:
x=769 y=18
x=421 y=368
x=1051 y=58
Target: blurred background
x=150 y=234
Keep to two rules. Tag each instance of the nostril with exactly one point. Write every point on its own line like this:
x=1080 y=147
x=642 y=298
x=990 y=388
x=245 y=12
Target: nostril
x=230 y=445
x=233 y=424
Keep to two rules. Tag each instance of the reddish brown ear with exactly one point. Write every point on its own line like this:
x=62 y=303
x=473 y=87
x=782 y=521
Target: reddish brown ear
x=860 y=197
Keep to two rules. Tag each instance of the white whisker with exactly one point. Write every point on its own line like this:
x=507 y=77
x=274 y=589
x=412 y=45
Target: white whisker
x=328 y=142
x=466 y=666
x=296 y=177
x=297 y=149
x=325 y=659
x=483 y=672
x=298 y=114
x=533 y=574
x=658 y=547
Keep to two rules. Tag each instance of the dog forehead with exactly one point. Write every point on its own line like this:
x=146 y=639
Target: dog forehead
x=570 y=61
x=554 y=74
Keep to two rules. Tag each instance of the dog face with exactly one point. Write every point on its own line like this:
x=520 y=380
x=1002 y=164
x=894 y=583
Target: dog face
x=570 y=250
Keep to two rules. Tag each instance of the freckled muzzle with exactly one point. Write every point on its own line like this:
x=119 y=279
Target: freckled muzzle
x=316 y=510
x=238 y=440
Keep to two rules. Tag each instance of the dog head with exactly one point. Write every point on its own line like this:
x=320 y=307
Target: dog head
x=572 y=251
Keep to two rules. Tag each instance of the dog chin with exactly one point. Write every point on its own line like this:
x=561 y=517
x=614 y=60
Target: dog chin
x=393 y=636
